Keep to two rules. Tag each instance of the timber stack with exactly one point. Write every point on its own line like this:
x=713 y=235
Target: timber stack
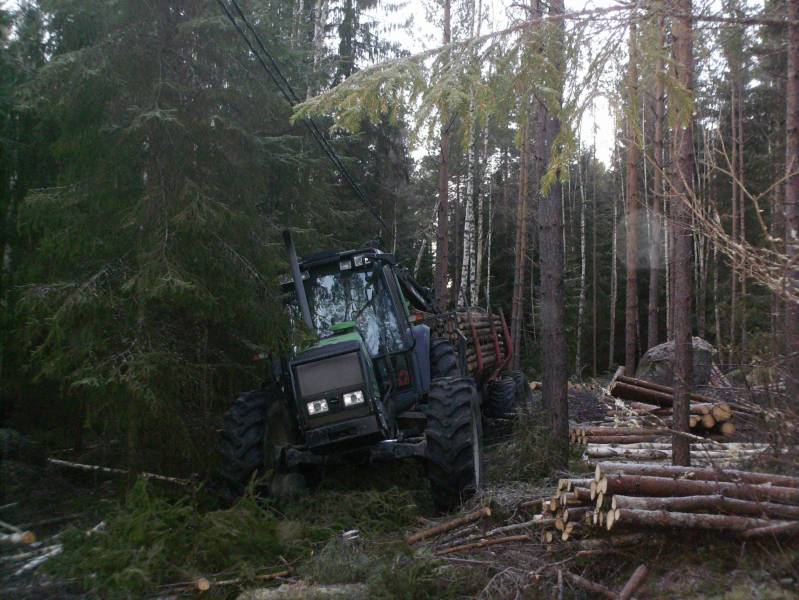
x=486 y=337
x=708 y=415
x=626 y=498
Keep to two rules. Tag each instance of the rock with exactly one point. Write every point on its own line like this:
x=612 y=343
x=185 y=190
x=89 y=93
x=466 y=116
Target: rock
x=657 y=363
x=305 y=591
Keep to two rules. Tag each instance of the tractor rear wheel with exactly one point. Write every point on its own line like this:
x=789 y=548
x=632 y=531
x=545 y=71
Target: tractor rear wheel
x=454 y=452
x=443 y=360
x=503 y=398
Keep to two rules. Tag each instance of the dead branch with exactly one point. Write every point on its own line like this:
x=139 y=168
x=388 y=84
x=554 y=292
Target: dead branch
x=484 y=543
x=476 y=515
x=634 y=582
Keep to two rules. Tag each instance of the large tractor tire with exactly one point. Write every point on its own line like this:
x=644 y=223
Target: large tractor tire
x=241 y=444
x=503 y=398
x=253 y=430
x=443 y=360
x=523 y=391
x=454 y=453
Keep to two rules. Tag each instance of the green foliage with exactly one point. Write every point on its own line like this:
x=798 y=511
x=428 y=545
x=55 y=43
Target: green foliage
x=150 y=540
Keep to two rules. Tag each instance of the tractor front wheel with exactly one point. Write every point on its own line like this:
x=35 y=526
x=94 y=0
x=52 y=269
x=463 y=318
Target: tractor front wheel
x=241 y=442
x=254 y=430
x=454 y=453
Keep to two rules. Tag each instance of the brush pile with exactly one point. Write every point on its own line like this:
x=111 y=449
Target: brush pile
x=632 y=497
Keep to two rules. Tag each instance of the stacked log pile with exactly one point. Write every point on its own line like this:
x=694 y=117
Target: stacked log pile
x=630 y=497
x=708 y=415
x=485 y=333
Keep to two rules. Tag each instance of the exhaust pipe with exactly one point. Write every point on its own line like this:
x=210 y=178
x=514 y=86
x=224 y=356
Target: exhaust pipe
x=299 y=289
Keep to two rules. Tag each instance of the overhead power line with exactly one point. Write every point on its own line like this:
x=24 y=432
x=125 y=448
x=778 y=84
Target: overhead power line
x=270 y=65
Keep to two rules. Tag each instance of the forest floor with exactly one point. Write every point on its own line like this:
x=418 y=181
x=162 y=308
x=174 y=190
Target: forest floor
x=349 y=530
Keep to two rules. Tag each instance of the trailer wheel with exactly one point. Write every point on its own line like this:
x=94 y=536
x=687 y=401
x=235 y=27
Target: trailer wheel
x=523 y=391
x=503 y=398
x=443 y=360
x=454 y=452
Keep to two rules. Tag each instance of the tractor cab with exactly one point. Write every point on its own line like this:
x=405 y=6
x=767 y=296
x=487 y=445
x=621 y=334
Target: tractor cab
x=367 y=363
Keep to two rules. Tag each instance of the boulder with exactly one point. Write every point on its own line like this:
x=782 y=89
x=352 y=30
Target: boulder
x=657 y=363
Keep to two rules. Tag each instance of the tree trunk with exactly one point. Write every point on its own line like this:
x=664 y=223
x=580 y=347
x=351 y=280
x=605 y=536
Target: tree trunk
x=520 y=253
x=583 y=264
x=656 y=227
x=792 y=200
x=551 y=257
x=442 y=233
x=614 y=280
x=467 y=264
x=633 y=156
x=733 y=335
x=682 y=186
x=742 y=209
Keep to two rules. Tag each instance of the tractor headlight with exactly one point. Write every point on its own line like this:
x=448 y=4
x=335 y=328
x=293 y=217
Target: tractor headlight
x=353 y=398
x=317 y=407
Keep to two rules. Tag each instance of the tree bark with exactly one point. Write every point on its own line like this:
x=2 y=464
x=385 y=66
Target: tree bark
x=656 y=228
x=715 y=502
x=614 y=281
x=644 y=485
x=583 y=264
x=694 y=473
x=551 y=257
x=633 y=156
x=442 y=233
x=682 y=32
x=662 y=518
x=520 y=253
x=791 y=210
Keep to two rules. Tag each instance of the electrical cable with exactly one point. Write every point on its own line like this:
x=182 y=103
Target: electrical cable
x=283 y=85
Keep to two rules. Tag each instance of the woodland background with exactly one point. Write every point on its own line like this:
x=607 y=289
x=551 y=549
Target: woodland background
x=147 y=168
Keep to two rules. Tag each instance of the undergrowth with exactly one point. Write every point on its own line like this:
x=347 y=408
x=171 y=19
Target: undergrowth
x=151 y=539
x=528 y=453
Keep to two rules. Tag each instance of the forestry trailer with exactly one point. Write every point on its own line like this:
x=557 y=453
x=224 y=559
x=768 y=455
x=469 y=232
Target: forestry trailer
x=385 y=377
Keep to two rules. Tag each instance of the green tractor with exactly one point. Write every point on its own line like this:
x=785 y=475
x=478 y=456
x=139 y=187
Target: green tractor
x=382 y=380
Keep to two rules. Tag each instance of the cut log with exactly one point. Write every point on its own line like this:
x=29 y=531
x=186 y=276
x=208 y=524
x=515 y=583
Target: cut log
x=715 y=502
x=484 y=543
x=663 y=388
x=607 y=431
x=708 y=422
x=694 y=473
x=626 y=391
x=727 y=428
x=776 y=529
x=633 y=583
x=662 y=518
x=476 y=515
x=590 y=586
x=616 y=541
x=26 y=538
x=624 y=439
x=643 y=485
